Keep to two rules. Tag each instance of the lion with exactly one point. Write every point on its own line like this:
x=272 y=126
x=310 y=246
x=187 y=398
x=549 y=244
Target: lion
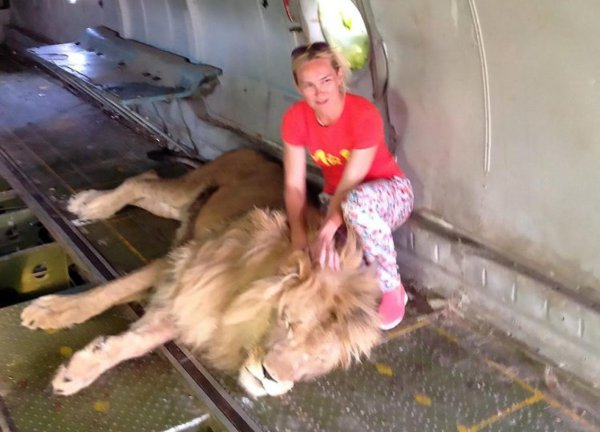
x=231 y=289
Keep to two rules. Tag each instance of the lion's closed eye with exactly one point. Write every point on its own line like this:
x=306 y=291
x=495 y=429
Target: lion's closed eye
x=291 y=328
x=289 y=322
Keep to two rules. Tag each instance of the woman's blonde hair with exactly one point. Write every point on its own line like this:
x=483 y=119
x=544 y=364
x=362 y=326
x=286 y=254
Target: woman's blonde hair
x=320 y=50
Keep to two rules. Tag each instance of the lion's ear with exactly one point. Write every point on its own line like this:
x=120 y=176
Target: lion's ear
x=356 y=316
x=351 y=252
x=298 y=264
x=360 y=335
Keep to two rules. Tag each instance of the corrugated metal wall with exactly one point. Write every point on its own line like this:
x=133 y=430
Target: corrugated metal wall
x=502 y=137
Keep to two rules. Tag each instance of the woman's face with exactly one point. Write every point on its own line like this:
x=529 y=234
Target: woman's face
x=320 y=84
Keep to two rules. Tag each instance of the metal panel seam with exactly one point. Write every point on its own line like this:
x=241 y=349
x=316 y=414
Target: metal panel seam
x=195 y=28
x=487 y=156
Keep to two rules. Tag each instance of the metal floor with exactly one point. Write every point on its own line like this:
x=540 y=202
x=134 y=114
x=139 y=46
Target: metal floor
x=437 y=372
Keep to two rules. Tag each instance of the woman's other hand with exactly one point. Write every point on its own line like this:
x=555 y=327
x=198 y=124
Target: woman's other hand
x=299 y=240
x=323 y=248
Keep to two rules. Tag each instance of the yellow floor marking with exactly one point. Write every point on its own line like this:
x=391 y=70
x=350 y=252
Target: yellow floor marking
x=120 y=217
x=66 y=351
x=384 y=369
x=126 y=243
x=509 y=373
x=101 y=406
x=538 y=397
x=423 y=399
x=548 y=399
x=447 y=335
x=409 y=328
x=543 y=396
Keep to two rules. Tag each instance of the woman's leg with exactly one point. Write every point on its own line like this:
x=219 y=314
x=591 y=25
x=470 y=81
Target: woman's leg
x=374 y=210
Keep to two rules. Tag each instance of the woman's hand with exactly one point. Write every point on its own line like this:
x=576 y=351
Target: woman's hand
x=323 y=248
x=356 y=169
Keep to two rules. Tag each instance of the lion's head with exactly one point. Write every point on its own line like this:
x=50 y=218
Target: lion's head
x=322 y=319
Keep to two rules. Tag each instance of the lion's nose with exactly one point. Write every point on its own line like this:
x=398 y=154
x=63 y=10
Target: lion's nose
x=266 y=374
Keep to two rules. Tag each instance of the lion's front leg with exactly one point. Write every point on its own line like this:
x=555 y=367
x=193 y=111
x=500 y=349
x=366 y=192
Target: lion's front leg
x=103 y=353
x=59 y=311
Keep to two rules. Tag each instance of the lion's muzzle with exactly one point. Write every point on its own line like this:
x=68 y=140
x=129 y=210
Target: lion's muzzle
x=257 y=381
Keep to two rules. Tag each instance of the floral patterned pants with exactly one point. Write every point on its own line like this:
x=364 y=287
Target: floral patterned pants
x=374 y=210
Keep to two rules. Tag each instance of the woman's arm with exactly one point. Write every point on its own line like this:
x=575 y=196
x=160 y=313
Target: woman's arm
x=356 y=169
x=294 y=163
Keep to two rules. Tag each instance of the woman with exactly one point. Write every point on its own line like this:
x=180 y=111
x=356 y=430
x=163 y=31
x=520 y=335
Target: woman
x=364 y=186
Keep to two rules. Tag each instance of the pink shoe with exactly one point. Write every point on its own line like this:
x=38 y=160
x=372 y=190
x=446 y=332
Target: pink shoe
x=391 y=308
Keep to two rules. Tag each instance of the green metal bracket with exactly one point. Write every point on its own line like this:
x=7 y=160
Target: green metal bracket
x=33 y=271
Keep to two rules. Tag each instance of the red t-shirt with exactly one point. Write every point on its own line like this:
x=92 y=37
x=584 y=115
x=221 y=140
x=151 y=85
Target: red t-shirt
x=360 y=126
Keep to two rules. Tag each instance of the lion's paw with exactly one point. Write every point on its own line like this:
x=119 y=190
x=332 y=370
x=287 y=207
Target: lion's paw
x=75 y=376
x=82 y=370
x=53 y=312
x=90 y=205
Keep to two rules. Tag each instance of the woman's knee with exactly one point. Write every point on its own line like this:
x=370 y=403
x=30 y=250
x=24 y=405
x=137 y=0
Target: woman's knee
x=352 y=206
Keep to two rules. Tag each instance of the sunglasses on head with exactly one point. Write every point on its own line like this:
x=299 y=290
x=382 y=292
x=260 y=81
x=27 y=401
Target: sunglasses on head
x=313 y=48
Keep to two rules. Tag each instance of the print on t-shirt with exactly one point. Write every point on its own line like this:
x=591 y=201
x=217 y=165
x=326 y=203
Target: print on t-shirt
x=327 y=159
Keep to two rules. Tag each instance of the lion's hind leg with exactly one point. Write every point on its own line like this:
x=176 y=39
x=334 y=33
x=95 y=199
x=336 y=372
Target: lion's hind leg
x=59 y=311
x=153 y=329
x=94 y=204
x=91 y=204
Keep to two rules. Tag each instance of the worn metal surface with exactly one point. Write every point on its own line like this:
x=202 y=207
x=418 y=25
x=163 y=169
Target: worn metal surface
x=432 y=375
x=140 y=395
x=424 y=378
x=552 y=320
x=249 y=41
x=127 y=71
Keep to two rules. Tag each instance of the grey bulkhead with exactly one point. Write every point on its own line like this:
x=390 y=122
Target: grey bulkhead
x=492 y=108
